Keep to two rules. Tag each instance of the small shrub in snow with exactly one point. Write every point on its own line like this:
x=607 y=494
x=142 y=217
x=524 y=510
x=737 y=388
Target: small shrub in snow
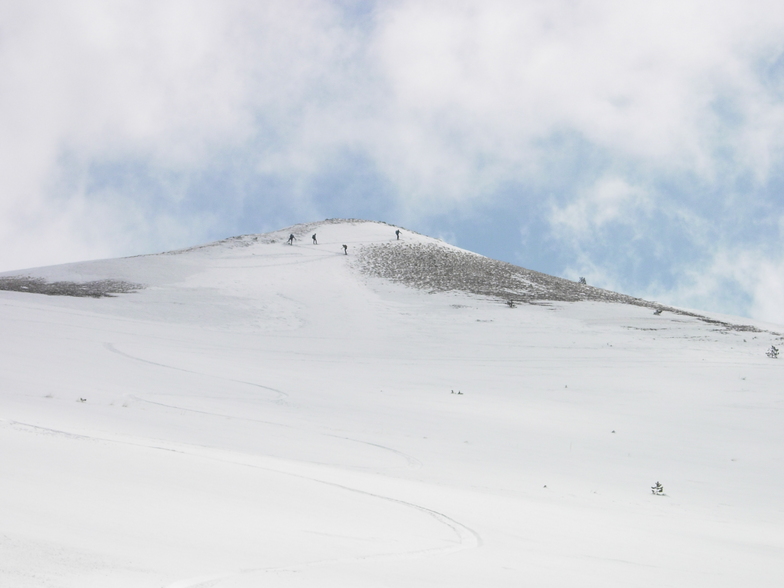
x=657 y=489
x=773 y=352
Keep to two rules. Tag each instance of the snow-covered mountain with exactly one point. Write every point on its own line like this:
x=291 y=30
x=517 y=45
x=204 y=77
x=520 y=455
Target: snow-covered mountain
x=254 y=413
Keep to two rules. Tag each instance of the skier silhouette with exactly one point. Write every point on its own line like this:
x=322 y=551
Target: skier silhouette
x=397 y=233
x=291 y=239
x=345 y=249
x=314 y=239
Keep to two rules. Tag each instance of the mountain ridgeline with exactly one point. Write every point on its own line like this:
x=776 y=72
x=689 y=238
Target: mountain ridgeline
x=374 y=249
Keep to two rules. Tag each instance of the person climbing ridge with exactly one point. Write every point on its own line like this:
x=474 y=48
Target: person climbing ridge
x=291 y=239
x=345 y=249
x=314 y=239
x=397 y=233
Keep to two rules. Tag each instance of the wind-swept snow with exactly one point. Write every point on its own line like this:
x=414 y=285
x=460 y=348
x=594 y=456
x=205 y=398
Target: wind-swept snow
x=264 y=414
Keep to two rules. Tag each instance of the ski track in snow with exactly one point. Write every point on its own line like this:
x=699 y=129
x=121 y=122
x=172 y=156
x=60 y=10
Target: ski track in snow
x=279 y=400
x=465 y=537
x=410 y=460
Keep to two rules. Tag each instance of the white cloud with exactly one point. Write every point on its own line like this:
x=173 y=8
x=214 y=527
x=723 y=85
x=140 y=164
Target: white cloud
x=768 y=291
x=611 y=199
x=168 y=84
x=738 y=280
x=473 y=83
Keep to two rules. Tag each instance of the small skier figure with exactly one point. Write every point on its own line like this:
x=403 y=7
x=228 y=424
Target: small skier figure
x=291 y=239
x=397 y=233
x=314 y=239
x=345 y=249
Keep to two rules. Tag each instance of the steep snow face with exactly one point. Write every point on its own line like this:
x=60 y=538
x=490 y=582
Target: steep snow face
x=258 y=413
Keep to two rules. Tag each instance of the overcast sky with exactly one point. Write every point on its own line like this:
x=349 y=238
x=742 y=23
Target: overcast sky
x=638 y=144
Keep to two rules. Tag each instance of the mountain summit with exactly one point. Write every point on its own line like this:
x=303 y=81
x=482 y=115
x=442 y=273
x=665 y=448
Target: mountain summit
x=375 y=249
x=372 y=249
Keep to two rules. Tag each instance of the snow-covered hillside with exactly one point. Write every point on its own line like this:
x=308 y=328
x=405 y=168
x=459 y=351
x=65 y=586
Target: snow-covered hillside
x=253 y=413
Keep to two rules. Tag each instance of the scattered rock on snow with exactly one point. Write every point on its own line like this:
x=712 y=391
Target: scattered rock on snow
x=94 y=289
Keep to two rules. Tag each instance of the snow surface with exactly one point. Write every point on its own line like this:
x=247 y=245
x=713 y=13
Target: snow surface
x=259 y=414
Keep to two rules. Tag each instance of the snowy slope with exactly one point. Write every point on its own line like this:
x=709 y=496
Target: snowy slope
x=259 y=414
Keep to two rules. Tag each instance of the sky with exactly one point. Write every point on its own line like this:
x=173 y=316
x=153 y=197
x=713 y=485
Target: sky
x=639 y=145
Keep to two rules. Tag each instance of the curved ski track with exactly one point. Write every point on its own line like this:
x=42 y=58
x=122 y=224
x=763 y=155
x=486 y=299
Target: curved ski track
x=466 y=537
x=279 y=400
x=410 y=460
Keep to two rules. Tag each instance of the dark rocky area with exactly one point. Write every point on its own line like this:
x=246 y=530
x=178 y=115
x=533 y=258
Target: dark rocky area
x=94 y=289
x=437 y=268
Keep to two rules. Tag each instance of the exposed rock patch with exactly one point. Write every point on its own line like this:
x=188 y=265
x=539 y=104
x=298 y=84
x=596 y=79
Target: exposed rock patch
x=94 y=289
x=438 y=268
